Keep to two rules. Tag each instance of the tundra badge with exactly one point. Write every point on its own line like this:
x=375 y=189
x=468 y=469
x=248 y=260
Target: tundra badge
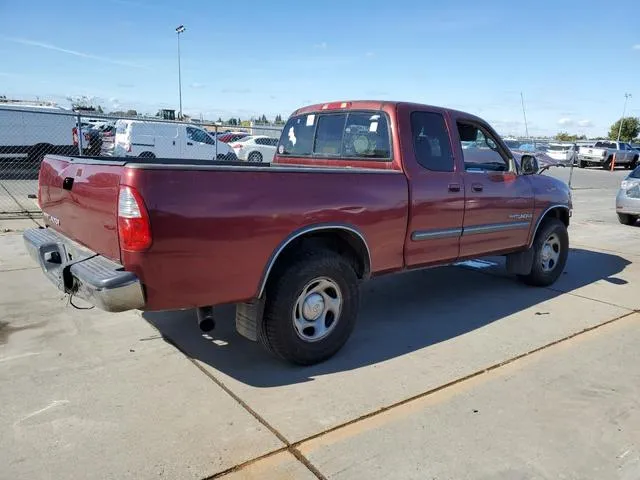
x=52 y=219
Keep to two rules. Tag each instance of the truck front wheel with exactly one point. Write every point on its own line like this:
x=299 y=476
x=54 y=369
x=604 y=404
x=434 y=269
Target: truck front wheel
x=550 y=251
x=311 y=307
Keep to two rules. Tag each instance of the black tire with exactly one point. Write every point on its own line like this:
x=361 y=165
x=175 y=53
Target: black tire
x=634 y=163
x=582 y=164
x=147 y=155
x=540 y=277
x=229 y=157
x=607 y=165
x=255 y=157
x=626 y=219
x=279 y=334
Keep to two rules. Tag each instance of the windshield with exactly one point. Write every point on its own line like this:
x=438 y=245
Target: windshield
x=559 y=148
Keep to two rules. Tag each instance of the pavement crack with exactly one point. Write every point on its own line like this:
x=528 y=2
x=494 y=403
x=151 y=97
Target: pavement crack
x=289 y=447
x=461 y=379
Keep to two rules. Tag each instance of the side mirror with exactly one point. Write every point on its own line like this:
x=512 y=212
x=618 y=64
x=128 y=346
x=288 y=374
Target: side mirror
x=529 y=165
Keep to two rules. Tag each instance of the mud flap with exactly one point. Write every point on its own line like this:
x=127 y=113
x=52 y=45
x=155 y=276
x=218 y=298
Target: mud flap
x=520 y=263
x=249 y=318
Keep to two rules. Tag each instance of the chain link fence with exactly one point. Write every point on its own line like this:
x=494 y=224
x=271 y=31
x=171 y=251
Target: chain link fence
x=28 y=133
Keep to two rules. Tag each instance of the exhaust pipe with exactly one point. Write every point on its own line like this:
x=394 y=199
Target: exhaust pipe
x=206 y=322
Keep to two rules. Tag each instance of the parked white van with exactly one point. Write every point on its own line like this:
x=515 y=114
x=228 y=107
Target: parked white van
x=28 y=131
x=135 y=138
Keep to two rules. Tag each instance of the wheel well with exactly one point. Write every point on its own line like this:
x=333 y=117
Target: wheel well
x=343 y=241
x=561 y=213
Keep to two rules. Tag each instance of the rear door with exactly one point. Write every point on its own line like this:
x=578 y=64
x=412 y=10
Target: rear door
x=498 y=201
x=436 y=188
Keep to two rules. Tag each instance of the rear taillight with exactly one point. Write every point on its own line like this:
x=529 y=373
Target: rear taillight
x=134 y=228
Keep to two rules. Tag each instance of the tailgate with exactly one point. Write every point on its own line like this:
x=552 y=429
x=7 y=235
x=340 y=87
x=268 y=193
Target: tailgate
x=80 y=200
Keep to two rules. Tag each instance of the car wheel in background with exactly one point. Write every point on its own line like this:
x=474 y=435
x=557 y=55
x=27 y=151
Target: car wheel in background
x=147 y=155
x=311 y=307
x=255 y=157
x=582 y=164
x=607 y=165
x=626 y=219
x=634 y=163
x=550 y=251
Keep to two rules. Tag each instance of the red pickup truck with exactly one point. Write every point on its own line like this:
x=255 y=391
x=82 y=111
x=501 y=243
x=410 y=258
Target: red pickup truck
x=356 y=190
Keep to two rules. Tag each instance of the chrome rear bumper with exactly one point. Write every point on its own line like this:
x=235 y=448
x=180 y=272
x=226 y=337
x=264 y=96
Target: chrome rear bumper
x=82 y=273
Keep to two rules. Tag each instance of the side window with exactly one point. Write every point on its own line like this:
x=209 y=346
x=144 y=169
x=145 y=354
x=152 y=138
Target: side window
x=329 y=134
x=199 y=136
x=259 y=141
x=431 y=141
x=273 y=142
x=480 y=149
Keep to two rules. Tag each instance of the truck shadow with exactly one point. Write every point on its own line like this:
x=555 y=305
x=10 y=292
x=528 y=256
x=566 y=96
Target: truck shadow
x=398 y=315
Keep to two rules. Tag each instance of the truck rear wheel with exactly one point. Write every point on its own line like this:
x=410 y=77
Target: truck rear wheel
x=311 y=307
x=550 y=251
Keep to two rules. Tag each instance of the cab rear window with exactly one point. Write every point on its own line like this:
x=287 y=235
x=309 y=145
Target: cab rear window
x=363 y=135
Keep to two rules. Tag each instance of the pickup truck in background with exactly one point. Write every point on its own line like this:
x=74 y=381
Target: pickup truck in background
x=602 y=154
x=356 y=190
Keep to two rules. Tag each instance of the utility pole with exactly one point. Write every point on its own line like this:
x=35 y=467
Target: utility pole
x=180 y=29
x=627 y=96
x=524 y=113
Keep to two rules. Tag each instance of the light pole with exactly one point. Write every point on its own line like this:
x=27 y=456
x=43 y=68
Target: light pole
x=179 y=29
x=627 y=96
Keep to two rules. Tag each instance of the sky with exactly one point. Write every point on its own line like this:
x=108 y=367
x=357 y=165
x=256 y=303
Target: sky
x=573 y=61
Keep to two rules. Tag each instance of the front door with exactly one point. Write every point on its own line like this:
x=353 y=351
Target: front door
x=436 y=191
x=199 y=145
x=498 y=201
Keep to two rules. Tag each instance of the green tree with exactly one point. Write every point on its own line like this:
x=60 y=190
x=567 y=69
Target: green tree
x=630 y=129
x=132 y=113
x=219 y=120
x=279 y=120
x=565 y=137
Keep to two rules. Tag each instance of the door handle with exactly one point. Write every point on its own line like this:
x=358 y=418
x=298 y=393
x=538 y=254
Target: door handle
x=477 y=187
x=454 y=187
x=189 y=143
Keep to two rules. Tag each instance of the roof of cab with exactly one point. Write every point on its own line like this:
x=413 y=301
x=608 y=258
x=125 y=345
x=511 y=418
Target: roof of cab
x=375 y=105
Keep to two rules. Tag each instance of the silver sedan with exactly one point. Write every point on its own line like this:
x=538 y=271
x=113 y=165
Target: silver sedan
x=628 y=199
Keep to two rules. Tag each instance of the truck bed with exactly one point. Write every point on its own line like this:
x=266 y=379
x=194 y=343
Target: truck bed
x=216 y=225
